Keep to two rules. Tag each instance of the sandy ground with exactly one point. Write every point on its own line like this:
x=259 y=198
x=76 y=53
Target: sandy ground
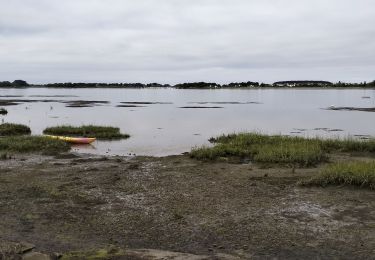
x=216 y=210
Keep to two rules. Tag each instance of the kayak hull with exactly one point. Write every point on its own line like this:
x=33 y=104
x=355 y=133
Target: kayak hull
x=73 y=140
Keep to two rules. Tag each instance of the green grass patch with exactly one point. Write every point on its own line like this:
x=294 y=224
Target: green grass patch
x=14 y=129
x=100 y=132
x=303 y=154
x=347 y=145
x=32 y=144
x=279 y=149
x=361 y=174
x=3 y=111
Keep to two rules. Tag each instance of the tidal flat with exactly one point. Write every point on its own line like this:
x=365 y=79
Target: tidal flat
x=148 y=206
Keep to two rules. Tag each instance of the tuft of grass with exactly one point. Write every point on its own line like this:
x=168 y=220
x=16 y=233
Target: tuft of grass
x=5 y=156
x=260 y=148
x=361 y=174
x=219 y=151
x=100 y=132
x=30 y=144
x=14 y=129
x=3 y=111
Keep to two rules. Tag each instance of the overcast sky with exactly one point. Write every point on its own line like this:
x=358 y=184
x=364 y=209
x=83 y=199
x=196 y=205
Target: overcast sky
x=172 y=41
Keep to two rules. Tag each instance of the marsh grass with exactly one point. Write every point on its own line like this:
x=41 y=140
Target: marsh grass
x=31 y=144
x=279 y=149
x=303 y=154
x=360 y=174
x=3 y=111
x=100 y=132
x=7 y=129
x=347 y=145
x=5 y=156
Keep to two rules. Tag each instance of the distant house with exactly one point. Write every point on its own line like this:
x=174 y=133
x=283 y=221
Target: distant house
x=302 y=83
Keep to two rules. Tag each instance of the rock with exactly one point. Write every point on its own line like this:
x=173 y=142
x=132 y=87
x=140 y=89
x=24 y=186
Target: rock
x=12 y=248
x=162 y=255
x=36 y=256
x=26 y=247
x=56 y=256
x=228 y=257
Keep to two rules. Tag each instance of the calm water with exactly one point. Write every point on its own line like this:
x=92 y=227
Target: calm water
x=165 y=129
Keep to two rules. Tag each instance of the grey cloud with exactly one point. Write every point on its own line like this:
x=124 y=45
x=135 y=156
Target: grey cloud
x=180 y=40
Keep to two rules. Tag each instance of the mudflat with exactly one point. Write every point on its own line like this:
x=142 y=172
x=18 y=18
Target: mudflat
x=211 y=210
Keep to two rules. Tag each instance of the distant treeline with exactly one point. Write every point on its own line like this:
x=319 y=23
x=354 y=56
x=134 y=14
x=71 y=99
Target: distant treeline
x=197 y=85
x=15 y=84
x=106 y=85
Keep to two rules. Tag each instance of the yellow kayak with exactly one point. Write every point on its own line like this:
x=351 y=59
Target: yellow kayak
x=73 y=140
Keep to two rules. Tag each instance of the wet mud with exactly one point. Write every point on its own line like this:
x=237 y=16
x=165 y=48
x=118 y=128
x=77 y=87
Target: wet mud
x=177 y=204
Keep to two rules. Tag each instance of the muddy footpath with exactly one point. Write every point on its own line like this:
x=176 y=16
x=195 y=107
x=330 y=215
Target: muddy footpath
x=176 y=208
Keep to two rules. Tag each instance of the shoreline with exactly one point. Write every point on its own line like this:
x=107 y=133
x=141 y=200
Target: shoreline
x=177 y=204
x=171 y=87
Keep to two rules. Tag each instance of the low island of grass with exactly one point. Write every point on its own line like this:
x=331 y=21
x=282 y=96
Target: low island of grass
x=15 y=138
x=361 y=174
x=99 y=132
x=8 y=129
x=278 y=149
